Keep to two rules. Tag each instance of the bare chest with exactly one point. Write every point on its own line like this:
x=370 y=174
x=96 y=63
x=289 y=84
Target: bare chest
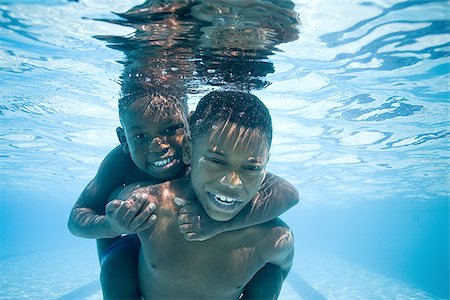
x=213 y=268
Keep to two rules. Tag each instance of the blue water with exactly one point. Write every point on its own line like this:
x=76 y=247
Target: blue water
x=361 y=127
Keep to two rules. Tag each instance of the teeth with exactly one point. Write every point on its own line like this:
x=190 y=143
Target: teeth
x=225 y=199
x=162 y=163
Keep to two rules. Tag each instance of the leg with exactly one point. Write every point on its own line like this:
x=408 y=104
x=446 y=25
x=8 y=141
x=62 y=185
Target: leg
x=119 y=270
x=106 y=245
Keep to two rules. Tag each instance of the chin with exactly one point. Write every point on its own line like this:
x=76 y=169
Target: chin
x=165 y=174
x=220 y=216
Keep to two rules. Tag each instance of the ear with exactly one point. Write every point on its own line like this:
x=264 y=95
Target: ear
x=265 y=172
x=123 y=139
x=263 y=178
x=187 y=150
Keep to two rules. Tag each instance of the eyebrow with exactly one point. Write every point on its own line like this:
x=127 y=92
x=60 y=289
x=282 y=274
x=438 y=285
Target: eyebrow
x=251 y=160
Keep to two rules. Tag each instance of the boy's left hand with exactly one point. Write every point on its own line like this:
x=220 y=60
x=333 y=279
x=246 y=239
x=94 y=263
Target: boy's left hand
x=193 y=221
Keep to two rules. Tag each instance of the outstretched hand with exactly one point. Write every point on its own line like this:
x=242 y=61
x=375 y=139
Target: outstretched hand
x=193 y=221
x=132 y=215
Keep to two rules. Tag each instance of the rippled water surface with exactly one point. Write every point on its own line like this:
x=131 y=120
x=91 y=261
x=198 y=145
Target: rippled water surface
x=358 y=92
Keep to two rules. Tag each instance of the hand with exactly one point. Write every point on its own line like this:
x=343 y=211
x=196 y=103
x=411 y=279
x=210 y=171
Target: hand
x=193 y=221
x=130 y=216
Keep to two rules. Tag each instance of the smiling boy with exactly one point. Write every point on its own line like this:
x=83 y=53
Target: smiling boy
x=228 y=153
x=153 y=128
x=152 y=134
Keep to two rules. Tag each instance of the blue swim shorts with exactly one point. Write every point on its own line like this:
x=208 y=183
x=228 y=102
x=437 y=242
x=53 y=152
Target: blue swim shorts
x=130 y=241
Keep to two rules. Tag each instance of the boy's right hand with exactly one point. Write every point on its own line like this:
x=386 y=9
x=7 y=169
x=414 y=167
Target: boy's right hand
x=132 y=215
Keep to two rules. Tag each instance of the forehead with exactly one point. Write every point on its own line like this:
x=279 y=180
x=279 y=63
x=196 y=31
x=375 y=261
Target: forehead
x=156 y=110
x=235 y=139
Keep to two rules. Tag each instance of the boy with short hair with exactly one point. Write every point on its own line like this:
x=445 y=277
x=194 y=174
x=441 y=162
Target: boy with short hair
x=154 y=128
x=228 y=153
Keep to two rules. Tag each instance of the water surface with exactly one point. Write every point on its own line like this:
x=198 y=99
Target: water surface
x=359 y=100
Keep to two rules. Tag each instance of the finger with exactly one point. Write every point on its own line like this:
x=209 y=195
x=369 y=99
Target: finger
x=139 y=199
x=151 y=206
x=185 y=218
x=188 y=209
x=186 y=228
x=112 y=206
x=130 y=212
x=142 y=201
x=120 y=211
x=134 y=205
x=142 y=216
x=193 y=236
x=179 y=201
x=149 y=222
x=184 y=201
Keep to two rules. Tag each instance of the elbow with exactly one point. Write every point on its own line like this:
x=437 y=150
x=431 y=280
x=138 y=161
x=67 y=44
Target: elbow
x=290 y=193
x=294 y=198
x=72 y=224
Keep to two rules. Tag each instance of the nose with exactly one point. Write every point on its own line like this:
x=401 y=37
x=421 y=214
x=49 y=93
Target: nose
x=158 y=145
x=231 y=180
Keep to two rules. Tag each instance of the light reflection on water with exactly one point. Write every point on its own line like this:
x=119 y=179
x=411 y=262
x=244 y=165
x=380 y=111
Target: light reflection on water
x=359 y=105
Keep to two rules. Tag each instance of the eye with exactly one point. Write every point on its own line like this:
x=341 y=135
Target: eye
x=140 y=136
x=172 y=129
x=253 y=168
x=215 y=160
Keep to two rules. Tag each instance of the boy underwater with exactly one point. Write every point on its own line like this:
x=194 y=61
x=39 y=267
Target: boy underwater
x=154 y=129
x=228 y=153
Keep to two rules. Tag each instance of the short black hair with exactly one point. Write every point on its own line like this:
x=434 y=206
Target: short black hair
x=241 y=108
x=153 y=100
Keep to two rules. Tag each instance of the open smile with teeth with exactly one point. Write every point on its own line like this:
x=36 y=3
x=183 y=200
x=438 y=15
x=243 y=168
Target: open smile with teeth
x=224 y=200
x=162 y=163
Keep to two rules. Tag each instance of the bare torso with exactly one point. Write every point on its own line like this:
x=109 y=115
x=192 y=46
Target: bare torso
x=172 y=268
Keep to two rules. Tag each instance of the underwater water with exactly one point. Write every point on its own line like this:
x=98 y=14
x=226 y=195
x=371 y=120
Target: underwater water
x=358 y=92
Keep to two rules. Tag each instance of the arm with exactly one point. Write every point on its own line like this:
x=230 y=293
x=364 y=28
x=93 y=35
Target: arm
x=274 y=197
x=267 y=282
x=92 y=216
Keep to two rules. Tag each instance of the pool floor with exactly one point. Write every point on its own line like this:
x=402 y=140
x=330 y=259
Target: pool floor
x=72 y=273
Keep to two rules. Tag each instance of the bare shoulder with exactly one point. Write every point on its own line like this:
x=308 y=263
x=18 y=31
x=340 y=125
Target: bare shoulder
x=115 y=167
x=162 y=192
x=147 y=187
x=117 y=158
x=274 y=184
x=110 y=175
x=277 y=242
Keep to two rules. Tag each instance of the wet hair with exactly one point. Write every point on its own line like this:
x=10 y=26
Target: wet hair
x=154 y=102
x=241 y=108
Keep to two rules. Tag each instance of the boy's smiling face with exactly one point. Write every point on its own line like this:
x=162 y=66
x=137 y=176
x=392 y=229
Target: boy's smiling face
x=154 y=139
x=227 y=168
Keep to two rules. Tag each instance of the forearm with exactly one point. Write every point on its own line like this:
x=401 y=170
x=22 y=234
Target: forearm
x=248 y=216
x=272 y=201
x=85 y=222
x=266 y=284
x=274 y=197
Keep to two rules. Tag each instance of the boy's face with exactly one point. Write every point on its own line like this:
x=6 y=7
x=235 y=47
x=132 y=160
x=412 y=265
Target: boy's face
x=228 y=166
x=154 y=142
